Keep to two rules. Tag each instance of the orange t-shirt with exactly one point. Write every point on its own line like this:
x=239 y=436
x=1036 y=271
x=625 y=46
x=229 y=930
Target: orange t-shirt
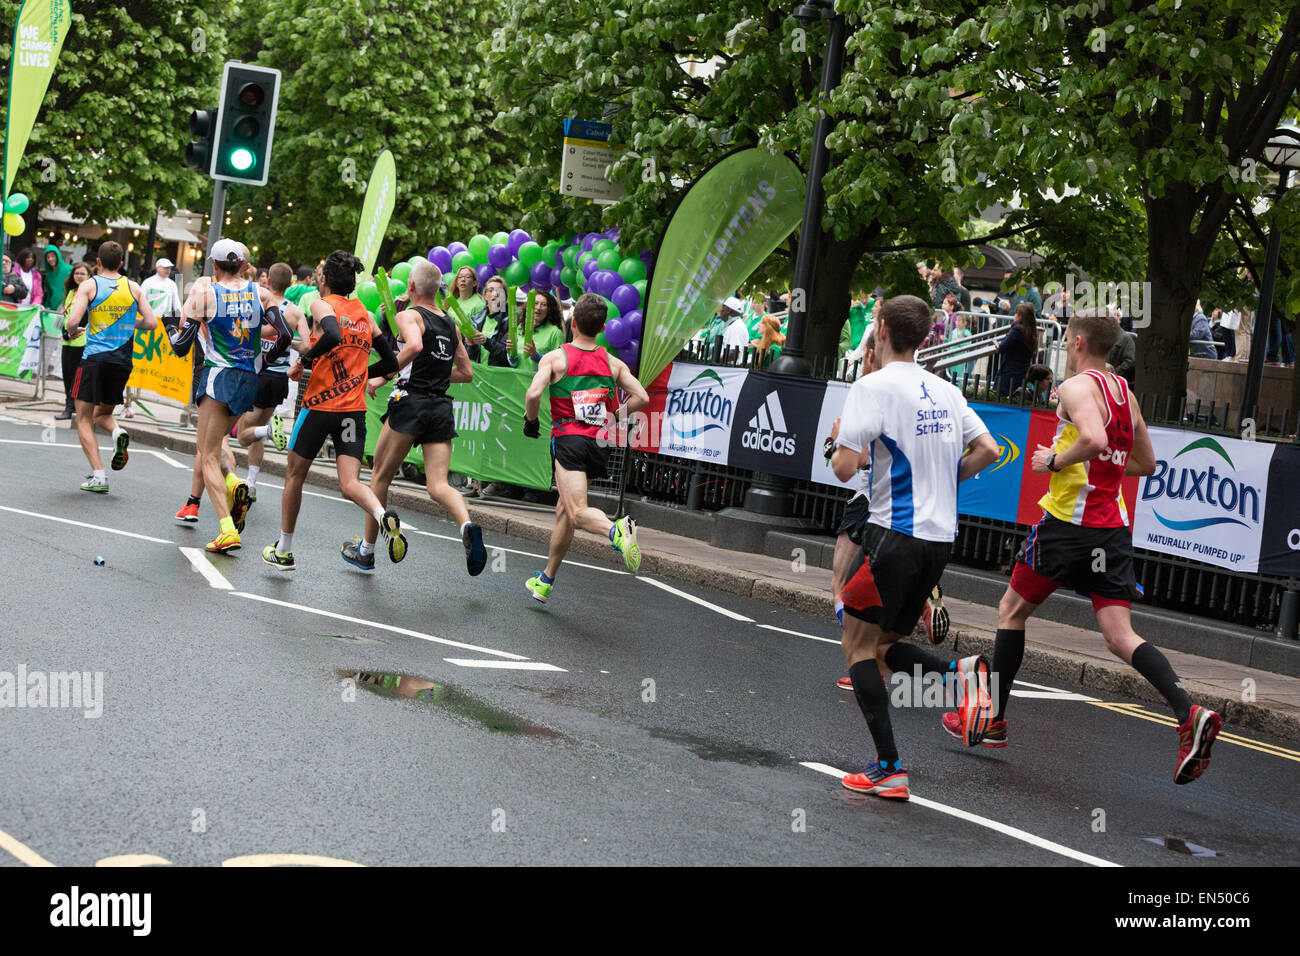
x=338 y=378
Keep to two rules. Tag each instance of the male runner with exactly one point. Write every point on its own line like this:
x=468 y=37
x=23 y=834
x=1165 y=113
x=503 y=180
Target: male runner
x=229 y=315
x=261 y=422
x=334 y=406
x=1101 y=436
x=580 y=378
x=911 y=427
x=113 y=307
x=420 y=412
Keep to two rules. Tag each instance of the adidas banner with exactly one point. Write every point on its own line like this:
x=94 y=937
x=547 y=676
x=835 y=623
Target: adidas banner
x=775 y=428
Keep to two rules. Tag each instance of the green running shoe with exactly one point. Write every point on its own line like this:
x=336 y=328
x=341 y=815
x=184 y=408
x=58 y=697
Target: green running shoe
x=120 y=455
x=275 y=559
x=91 y=484
x=275 y=431
x=624 y=542
x=540 y=590
x=391 y=529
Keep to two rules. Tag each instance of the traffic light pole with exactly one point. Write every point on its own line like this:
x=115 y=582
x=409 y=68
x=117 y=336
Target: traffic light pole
x=215 y=221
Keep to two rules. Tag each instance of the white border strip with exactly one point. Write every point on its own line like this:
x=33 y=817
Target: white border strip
x=700 y=601
x=504 y=665
x=202 y=565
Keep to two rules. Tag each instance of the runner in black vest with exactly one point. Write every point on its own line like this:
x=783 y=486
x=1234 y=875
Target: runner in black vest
x=420 y=413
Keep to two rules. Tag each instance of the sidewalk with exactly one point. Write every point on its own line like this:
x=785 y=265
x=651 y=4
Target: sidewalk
x=1058 y=650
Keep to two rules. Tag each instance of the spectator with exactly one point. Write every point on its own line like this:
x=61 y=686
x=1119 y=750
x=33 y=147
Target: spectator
x=55 y=276
x=735 y=332
x=548 y=328
x=263 y=279
x=1038 y=383
x=1018 y=348
x=1281 y=341
x=1202 y=342
x=1026 y=291
x=31 y=277
x=14 y=288
x=496 y=349
x=770 y=339
x=1123 y=356
x=301 y=287
x=943 y=284
x=160 y=289
x=1225 y=340
x=963 y=293
x=958 y=332
x=70 y=354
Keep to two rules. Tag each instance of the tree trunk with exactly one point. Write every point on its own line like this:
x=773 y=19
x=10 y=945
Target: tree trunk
x=828 y=310
x=1175 y=267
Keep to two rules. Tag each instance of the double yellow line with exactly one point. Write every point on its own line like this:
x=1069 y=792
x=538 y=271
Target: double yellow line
x=1137 y=710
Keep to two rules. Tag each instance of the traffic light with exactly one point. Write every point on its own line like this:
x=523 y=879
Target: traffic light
x=198 y=154
x=245 y=122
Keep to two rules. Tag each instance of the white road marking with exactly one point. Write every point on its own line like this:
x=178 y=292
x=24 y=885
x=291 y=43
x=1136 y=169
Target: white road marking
x=50 y=444
x=1016 y=833
x=528 y=554
x=504 y=665
x=202 y=565
x=171 y=461
x=1043 y=692
x=21 y=851
x=382 y=627
x=700 y=601
x=82 y=524
x=811 y=637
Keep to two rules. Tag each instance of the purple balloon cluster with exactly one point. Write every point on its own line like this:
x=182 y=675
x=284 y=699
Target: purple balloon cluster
x=527 y=265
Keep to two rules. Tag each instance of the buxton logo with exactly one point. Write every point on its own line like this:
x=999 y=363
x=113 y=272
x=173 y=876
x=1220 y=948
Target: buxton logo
x=767 y=429
x=1236 y=499
x=1007 y=453
x=700 y=403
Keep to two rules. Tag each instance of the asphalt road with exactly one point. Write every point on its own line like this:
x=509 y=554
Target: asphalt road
x=623 y=723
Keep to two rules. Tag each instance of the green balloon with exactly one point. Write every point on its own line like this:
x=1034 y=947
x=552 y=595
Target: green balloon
x=579 y=281
x=611 y=310
x=401 y=272
x=397 y=287
x=530 y=253
x=600 y=245
x=516 y=274
x=18 y=203
x=567 y=276
x=632 y=270
x=460 y=261
x=584 y=258
x=478 y=248
x=608 y=260
x=368 y=293
x=549 y=252
x=604 y=342
x=640 y=285
x=570 y=255
x=501 y=239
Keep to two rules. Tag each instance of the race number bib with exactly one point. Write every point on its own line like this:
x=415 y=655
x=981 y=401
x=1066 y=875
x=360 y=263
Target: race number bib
x=589 y=405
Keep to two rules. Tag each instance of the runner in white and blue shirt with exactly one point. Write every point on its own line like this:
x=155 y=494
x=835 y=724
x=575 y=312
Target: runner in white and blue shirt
x=912 y=429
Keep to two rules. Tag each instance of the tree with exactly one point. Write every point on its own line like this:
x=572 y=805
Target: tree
x=358 y=76
x=109 y=141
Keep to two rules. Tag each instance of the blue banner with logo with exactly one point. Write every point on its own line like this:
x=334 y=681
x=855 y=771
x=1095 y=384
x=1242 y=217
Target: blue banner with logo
x=995 y=491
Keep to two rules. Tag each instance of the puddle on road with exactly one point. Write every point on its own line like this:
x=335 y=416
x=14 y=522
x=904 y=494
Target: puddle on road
x=724 y=750
x=1181 y=846
x=447 y=698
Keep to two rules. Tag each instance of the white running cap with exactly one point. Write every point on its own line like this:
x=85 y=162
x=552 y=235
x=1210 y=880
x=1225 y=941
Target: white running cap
x=227 y=251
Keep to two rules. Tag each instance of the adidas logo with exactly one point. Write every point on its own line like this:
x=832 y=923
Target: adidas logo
x=767 y=429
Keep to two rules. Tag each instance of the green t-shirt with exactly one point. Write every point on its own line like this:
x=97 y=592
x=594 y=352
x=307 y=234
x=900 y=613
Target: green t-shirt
x=296 y=292
x=471 y=305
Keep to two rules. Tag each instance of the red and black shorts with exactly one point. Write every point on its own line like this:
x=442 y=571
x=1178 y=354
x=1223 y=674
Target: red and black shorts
x=1097 y=562
x=100 y=383
x=892 y=577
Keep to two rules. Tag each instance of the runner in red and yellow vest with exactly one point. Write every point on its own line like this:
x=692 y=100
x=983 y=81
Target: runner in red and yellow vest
x=581 y=378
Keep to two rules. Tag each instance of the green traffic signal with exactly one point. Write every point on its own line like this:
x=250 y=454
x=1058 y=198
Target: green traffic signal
x=241 y=160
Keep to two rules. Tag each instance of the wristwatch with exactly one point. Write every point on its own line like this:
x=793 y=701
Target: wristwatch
x=1051 y=463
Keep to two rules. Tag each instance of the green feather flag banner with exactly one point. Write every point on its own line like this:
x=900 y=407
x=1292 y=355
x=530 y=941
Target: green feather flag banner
x=381 y=195
x=38 y=39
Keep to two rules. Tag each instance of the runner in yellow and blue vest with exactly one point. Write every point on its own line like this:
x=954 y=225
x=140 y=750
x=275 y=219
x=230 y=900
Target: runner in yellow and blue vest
x=113 y=307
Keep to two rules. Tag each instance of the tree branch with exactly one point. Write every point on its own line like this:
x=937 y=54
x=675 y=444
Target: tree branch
x=1000 y=234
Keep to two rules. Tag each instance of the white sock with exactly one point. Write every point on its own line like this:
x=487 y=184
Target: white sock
x=463 y=527
x=253 y=472
x=285 y=544
x=379 y=514
x=119 y=430
x=99 y=475
x=261 y=431
x=365 y=548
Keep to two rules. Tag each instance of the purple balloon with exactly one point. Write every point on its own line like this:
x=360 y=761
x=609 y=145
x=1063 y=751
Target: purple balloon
x=486 y=272
x=626 y=299
x=630 y=353
x=440 y=256
x=456 y=248
x=588 y=268
x=499 y=256
x=517 y=238
x=589 y=241
x=562 y=292
x=609 y=281
x=617 y=333
x=541 y=275
x=632 y=320
x=596 y=283
x=649 y=260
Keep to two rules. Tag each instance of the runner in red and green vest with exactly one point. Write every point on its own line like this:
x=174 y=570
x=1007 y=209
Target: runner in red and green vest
x=580 y=378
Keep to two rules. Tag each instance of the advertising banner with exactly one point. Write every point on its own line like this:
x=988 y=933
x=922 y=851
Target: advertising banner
x=376 y=210
x=775 y=428
x=39 y=32
x=1279 y=550
x=699 y=406
x=14 y=323
x=837 y=393
x=995 y=491
x=156 y=368
x=1206 y=500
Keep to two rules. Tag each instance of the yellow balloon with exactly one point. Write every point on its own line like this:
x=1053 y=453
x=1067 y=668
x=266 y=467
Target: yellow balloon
x=14 y=224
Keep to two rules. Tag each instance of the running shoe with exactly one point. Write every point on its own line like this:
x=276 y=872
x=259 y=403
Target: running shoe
x=879 y=782
x=225 y=541
x=239 y=500
x=976 y=706
x=540 y=590
x=391 y=529
x=189 y=513
x=935 y=617
x=995 y=738
x=475 y=553
x=624 y=542
x=1195 y=735
x=845 y=683
x=93 y=484
x=352 y=555
x=119 y=452
x=275 y=432
x=252 y=493
x=275 y=559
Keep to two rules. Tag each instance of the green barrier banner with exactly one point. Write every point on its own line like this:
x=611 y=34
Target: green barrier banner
x=490 y=443
x=13 y=338
x=39 y=32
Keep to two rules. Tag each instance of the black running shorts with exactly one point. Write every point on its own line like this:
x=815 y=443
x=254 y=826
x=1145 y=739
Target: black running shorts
x=348 y=429
x=272 y=390
x=854 y=522
x=1096 y=561
x=100 y=383
x=580 y=453
x=426 y=418
x=891 y=578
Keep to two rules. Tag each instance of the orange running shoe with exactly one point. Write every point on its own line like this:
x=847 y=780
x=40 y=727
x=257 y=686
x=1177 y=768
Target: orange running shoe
x=879 y=782
x=1195 y=735
x=189 y=513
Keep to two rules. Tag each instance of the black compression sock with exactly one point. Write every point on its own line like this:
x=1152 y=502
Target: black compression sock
x=1008 y=652
x=873 y=698
x=903 y=658
x=1154 y=666
x=191 y=500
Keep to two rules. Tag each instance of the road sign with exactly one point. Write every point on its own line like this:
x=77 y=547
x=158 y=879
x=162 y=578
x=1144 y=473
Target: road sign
x=586 y=160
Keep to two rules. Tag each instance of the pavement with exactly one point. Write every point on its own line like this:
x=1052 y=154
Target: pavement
x=686 y=715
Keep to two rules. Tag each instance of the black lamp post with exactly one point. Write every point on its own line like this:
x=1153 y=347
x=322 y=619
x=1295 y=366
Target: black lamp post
x=791 y=361
x=1282 y=154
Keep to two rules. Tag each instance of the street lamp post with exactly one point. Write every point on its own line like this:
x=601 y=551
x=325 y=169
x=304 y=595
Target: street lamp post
x=1281 y=153
x=791 y=361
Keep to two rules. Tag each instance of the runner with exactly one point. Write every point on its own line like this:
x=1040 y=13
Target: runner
x=420 y=412
x=231 y=317
x=911 y=427
x=580 y=378
x=272 y=385
x=113 y=307
x=334 y=406
x=1083 y=540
